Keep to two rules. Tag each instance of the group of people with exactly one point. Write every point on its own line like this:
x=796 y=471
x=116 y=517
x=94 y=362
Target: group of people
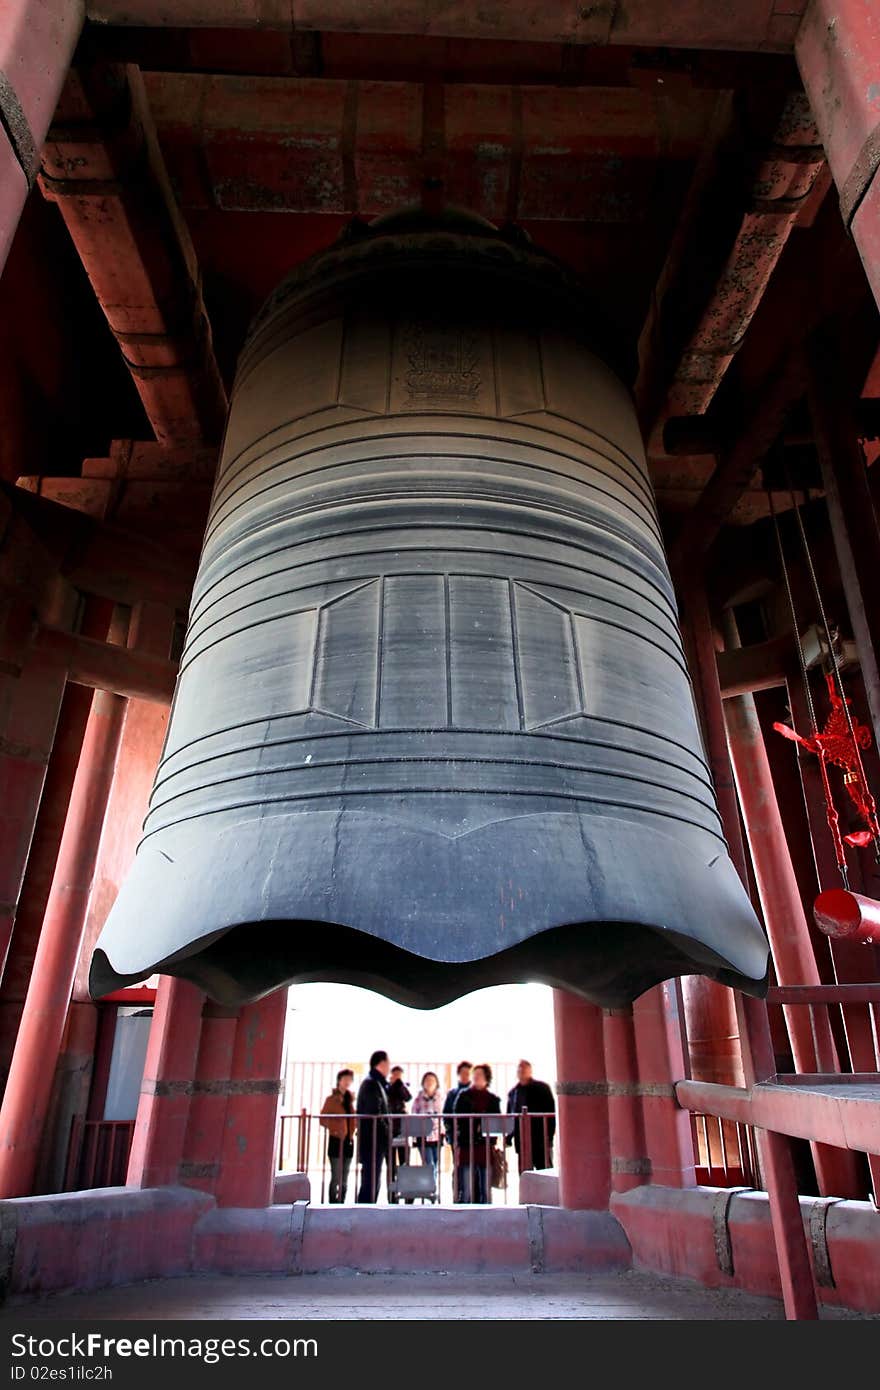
x=461 y=1119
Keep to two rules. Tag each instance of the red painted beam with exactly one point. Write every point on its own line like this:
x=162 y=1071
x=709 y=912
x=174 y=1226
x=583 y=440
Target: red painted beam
x=750 y=24
x=738 y=464
x=763 y=666
x=37 y=39
x=838 y=53
x=285 y=144
x=824 y=994
x=782 y=189
x=102 y=166
x=99 y=558
x=850 y=916
x=107 y=666
x=843 y=1112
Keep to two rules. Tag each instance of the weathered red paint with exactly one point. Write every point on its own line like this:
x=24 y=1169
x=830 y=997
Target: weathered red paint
x=752 y=24
x=660 y=1048
x=630 y=1164
x=206 y=1118
x=782 y=187
x=169 y=1070
x=247 y=1156
x=113 y=194
x=48 y=830
x=37 y=39
x=30 y=703
x=584 y=1157
x=87 y=1240
x=795 y=963
x=310 y=145
x=849 y=916
x=678 y=1233
x=28 y=1088
x=764 y=666
x=838 y=53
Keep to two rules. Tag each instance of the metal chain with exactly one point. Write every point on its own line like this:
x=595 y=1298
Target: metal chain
x=814 y=727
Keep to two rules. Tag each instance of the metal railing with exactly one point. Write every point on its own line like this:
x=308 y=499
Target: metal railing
x=97 y=1153
x=398 y=1158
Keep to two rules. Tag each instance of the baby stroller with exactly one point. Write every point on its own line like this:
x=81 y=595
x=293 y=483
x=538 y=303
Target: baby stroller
x=415 y=1180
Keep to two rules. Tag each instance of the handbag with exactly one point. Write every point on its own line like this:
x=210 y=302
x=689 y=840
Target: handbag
x=499 y=1166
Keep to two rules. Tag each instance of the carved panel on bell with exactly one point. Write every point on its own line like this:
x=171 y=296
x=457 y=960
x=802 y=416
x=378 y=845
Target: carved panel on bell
x=441 y=365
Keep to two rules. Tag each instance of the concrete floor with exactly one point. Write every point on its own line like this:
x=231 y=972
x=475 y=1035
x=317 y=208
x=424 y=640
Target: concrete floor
x=608 y=1297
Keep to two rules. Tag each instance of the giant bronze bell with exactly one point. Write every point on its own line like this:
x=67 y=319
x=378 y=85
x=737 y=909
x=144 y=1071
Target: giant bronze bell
x=433 y=728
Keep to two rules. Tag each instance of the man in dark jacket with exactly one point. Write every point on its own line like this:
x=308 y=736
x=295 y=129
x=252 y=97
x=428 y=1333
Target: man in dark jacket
x=464 y=1080
x=374 y=1134
x=399 y=1096
x=536 y=1097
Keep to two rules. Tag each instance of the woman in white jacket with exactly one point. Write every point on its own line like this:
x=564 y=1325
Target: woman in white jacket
x=429 y=1102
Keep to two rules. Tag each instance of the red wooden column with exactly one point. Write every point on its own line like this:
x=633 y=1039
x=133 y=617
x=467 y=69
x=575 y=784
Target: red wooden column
x=29 y=1086
x=811 y=1039
x=157 y=1146
x=206 y=1118
x=838 y=53
x=37 y=39
x=756 y=1047
x=30 y=702
x=660 y=1049
x=247 y=1157
x=583 y=1143
x=48 y=830
x=710 y=1010
x=630 y=1165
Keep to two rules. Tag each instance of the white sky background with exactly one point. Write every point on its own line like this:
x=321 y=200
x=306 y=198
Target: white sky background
x=494 y=1025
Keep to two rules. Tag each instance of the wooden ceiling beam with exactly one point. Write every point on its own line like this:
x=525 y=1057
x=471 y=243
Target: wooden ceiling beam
x=751 y=24
x=102 y=166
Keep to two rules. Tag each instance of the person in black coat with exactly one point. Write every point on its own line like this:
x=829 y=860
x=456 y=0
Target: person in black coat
x=536 y=1097
x=374 y=1135
x=399 y=1097
x=463 y=1072
x=473 y=1155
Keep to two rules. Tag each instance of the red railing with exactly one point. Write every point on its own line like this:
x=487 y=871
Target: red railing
x=725 y=1151
x=97 y=1154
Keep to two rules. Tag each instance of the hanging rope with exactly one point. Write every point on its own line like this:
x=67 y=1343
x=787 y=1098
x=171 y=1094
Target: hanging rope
x=841 y=740
x=813 y=743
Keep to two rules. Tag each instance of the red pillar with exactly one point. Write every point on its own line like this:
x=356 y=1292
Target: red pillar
x=30 y=701
x=29 y=1086
x=583 y=1143
x=756 y=1047
x=247 y=1158
x=660 y=1049
x=169 y=1072
x=37 y=40
x=630 y=1165
x=786 y=924
x=809 y=1030
x=838 y=53
x=710 y=1011
x=206 y=1119
x=48 y=830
